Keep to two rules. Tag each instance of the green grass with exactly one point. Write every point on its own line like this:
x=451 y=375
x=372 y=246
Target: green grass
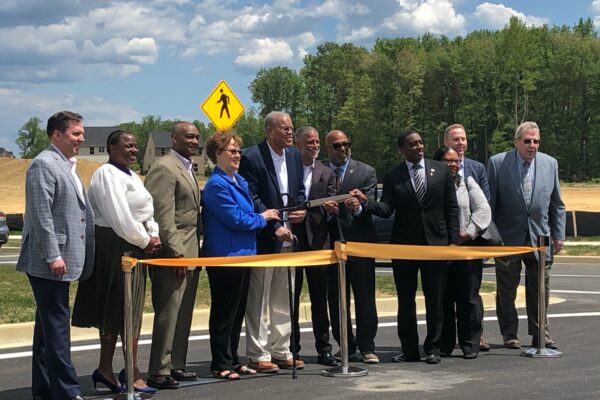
x=18 y=305
x=583 y=239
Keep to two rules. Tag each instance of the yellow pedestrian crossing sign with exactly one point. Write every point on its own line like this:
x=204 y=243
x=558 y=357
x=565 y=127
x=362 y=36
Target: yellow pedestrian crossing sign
x=222 y=106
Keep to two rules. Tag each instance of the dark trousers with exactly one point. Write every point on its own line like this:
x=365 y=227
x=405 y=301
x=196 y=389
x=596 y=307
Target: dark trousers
x=317 y=289
x=53 y=373
x=360 y=276
x=433 y=279
x=463 y=307
x=508 y=276
x=228 y=294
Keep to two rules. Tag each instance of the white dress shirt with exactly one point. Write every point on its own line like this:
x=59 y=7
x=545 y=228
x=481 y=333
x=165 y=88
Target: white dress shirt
x=121 y=202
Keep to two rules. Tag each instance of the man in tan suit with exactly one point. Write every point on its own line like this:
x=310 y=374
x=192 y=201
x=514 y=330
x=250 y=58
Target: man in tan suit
x=176 y=195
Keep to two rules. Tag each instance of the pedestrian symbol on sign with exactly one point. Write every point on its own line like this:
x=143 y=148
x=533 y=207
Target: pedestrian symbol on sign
x=225 y=106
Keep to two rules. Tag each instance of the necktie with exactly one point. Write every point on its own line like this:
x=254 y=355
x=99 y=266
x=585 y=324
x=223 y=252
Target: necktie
x=527 y=183
x=338 y=180
x=419 y=185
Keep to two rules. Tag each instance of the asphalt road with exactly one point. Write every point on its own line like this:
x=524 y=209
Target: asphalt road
x=499 y=374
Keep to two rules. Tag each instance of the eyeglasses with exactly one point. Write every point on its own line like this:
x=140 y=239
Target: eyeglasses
x=234 y=151
x=528 y=141
x=338 y=145
x=455 y=162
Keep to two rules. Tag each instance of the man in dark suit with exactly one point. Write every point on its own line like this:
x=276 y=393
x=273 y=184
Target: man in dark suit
x=274 y=172
x=455 y=136
x=172 y=183
x=57 y=248
x=353 y=224
x=421 y=193
x=313 y=234
x=525 y=204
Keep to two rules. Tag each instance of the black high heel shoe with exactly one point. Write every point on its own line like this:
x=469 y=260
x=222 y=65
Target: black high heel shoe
x=123 y=380
x=98 y=377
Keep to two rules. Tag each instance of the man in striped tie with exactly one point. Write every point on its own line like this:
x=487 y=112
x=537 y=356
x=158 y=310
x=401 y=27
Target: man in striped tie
x=422 y=195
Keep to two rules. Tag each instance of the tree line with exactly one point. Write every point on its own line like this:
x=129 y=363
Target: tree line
x=489 y=81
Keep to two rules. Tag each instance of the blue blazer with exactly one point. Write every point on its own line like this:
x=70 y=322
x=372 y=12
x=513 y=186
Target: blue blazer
x=476 y=170
x=230 y=223
x=257 y=168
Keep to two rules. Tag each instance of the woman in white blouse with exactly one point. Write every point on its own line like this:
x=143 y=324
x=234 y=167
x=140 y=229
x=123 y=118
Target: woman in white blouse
x=462 y=303
x=124 y=224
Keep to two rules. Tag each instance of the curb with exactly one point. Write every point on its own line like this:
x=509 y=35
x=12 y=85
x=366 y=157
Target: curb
x=21 y=334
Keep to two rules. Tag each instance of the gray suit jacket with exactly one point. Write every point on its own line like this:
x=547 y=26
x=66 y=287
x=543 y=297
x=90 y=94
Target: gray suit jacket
x=58 y=222
x=518 y=224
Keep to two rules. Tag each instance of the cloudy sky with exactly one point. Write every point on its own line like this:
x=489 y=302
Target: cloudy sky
x=116 y=61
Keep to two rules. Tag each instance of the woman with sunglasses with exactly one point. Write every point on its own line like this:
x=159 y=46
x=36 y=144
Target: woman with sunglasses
x=124 y=224
x=462 y=304
x=230 y=226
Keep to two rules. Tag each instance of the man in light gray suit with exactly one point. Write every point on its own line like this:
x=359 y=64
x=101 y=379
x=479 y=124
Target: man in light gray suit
x=526 y=204
x=57 y=248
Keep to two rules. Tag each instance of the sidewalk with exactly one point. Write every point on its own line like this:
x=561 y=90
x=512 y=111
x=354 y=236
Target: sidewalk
x=21 y=334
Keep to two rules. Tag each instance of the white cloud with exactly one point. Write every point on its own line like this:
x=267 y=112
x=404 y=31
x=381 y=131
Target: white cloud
x=264 y=52
x=595 y=6
x=421 y=16
x=357 y=35
x=498 y=15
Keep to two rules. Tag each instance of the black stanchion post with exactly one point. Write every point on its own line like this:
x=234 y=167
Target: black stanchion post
x=541 y=350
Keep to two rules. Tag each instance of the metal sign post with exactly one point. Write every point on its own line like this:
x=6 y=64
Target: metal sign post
x=541 y=350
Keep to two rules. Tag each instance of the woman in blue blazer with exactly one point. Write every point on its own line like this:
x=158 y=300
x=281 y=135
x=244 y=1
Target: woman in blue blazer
x=230 y=227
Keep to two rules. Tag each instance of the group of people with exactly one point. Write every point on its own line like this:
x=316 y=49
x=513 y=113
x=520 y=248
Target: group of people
x=72 y=235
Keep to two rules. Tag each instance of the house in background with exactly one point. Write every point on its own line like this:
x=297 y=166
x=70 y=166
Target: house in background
x=6 y=153
x=159 y=144
x=94 y=146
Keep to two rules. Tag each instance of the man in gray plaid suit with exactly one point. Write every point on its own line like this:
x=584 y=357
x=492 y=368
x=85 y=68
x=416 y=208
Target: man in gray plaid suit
x=57 y=248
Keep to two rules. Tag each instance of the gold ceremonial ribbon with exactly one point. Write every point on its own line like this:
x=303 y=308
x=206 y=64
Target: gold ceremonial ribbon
x=297 y=259
x=342 y=251
x=410 y=252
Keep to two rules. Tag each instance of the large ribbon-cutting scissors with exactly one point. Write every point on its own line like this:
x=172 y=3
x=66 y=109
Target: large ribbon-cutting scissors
x=305 y=205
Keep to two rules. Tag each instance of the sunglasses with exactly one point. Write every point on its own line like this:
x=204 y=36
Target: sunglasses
x=234 y=151
x=455 y=162
x=338 y=145
x=528 y=141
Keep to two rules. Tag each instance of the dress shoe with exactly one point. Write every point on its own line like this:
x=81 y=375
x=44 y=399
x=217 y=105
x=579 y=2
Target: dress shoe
x=445 y=354
x=78 y=398
x=326 y=358
x=369 y=357
x=470 y=356
x=433 y=359
x=161 y=382
x=353 y=356
x=183 y=375
x=289 y=363
x=264 y=367
x=549 y=343
x=405 y=358
x=98 y=377
x=512 y=343
x=483 y=346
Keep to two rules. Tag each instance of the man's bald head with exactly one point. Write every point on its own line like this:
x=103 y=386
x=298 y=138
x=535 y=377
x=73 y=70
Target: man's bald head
x=338 y=147
x=184 y=138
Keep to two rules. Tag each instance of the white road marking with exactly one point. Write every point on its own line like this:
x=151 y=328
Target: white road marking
x=22 y=354
x=574 y=291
